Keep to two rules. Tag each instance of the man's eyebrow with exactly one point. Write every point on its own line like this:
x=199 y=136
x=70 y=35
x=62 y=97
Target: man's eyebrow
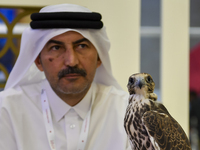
x=62 y=43
x=81 y=40
x=54 y=42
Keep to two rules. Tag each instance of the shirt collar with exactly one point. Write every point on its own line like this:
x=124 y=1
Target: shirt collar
x=60 y=108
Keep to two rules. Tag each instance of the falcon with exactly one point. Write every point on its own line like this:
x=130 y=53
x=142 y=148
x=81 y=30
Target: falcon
x=148 y=124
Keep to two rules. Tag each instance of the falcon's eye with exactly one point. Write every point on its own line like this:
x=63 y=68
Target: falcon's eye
x=149 y=79
x=131 y=80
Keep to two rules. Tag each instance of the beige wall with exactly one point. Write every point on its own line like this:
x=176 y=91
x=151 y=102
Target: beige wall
x=175 y=59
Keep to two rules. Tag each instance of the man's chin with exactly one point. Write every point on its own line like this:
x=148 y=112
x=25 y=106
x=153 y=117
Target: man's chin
x=74 y=89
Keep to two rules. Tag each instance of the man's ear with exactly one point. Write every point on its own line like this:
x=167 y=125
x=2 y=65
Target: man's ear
x=98 y=61
x=38 y=63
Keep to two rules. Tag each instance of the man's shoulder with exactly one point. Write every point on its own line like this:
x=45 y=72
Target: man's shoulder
x=10 y=92
x=110 y=89
x=19 y=93
x=111 y=92
x=112 y=99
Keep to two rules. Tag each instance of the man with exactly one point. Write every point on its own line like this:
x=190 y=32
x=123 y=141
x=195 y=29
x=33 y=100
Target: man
x=61 y=94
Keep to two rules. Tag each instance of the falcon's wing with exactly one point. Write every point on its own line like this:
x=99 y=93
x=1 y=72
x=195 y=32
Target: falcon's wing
x=164 y=131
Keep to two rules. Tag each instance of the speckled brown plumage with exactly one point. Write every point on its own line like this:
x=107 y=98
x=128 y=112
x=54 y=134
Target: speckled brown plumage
x=148 y=124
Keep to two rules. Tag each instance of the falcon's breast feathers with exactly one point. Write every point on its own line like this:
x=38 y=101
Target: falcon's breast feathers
x=148 y=124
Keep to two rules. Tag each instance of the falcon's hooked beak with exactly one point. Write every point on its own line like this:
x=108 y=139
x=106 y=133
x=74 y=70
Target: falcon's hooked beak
x=140 y=83
x=134 y=82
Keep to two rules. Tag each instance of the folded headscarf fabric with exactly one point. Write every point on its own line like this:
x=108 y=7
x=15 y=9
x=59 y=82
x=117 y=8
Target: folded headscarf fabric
x=33 y=40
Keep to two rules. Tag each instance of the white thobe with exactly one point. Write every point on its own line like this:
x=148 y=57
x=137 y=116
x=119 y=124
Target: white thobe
x=22 y=125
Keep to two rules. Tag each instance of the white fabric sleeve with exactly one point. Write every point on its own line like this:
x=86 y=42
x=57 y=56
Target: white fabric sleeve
x=7 y=140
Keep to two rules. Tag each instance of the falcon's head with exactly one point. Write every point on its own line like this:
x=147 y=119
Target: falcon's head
x=141 y=83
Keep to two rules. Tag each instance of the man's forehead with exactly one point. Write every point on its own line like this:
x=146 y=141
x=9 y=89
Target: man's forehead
x=70 y=37
x=68 y=34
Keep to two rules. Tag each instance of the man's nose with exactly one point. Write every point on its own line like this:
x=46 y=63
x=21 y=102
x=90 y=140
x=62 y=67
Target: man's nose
x=71 y=57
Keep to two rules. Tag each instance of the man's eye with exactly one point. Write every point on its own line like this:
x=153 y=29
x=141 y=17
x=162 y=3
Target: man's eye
x=55 y=47
x=82 y=45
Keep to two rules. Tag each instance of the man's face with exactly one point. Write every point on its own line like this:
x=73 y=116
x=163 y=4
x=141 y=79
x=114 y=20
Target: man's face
x=69 y=62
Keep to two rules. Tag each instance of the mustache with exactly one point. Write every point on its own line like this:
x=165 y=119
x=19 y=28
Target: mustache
x=71 y=70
